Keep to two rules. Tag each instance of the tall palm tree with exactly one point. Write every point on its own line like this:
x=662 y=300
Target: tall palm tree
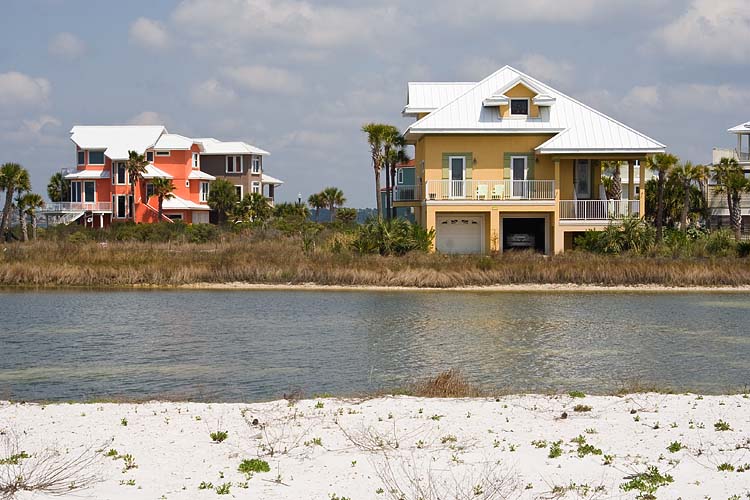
x=685 y=174
x=662 y=163
x=375 y=134
x=333 y=197
x=136 y=167
x=222 y=197
x=731 y=180
x=31 y=203
x=392 y=139
x=316 y=202
x=702 y=177
x=58 y=188
x=163 y=188
x=614 y=185
x=13 y=177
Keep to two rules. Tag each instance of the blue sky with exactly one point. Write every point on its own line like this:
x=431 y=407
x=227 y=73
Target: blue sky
x=299 y=78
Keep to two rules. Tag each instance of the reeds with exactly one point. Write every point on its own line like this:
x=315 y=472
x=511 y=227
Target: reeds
x=281 y=260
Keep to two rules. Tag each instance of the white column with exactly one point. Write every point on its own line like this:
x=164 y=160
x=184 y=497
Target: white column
x=101 y=220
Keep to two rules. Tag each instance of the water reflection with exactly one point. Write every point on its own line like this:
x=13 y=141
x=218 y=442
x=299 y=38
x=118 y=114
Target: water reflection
x=239 y=345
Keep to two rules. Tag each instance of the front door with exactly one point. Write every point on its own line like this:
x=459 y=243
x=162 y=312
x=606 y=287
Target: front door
x=458 y=172
x=518 y=169
x=583 y=179
x=89 y=188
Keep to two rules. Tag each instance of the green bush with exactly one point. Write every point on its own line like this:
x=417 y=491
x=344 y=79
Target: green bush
x=393 y=237
x=719 y=243
x=253 y=465
x=743 y=249
x=627 y=235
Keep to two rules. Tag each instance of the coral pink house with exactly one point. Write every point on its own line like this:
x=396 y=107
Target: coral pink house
x=101 y=192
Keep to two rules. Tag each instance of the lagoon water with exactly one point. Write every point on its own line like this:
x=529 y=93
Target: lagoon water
x=253 y=345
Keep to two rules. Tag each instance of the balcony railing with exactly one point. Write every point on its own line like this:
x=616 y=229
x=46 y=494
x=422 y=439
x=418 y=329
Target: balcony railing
x=742 y=155
x=476 y=190
x=599 y=210
x=407 y=193
x=62 y=207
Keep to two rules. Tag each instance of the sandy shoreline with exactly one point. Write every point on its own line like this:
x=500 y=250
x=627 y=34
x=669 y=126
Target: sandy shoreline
x=363 y=449
x=542 y=287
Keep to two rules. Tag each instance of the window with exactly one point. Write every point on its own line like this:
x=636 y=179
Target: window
x=256 y=187
x=187 y=183
x=149 y=156
x=400 y=176
x=234 y=164
x=89 y=191
x=519 y=107
x=583 y=179
x=81 y=157
x=96 y=157
x=162 y=153
x=120 y=203
x=149 y=191
x=256 y=165
x=174 y=216
x=238 y=189
x=119 y=174
x=196 y=160
x=204 y=188
x=75 y=192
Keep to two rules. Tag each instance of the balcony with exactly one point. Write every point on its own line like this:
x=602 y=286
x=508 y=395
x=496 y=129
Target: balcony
x=491 y=191
x=73 y=207
x=598 y=210
x=407 y=193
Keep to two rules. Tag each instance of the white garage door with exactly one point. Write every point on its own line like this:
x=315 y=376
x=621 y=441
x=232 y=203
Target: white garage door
x=459 y=234
x=200 y=217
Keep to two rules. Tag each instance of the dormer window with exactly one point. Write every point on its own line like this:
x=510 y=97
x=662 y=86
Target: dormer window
x=81 y=157
x=150 y=156
x=519 y=107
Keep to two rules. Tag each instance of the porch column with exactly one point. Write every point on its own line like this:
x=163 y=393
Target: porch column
x=631 y=180
x=558 y=243
x=430 y=223
x=101 y=220
x=642 y=190
x=495 y=245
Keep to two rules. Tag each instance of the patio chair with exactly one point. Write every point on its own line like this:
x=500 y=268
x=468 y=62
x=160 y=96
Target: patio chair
x=498 y=191
x=482 y=192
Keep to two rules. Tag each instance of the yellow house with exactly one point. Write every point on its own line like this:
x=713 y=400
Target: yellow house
x=510 y=162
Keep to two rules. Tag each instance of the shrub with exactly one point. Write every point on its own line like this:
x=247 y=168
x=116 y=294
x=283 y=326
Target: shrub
x=675 y=446
x=448 y=384
x=576 y=394
x=219 y=436
x=253 y=465
x=223 y=489
x=719 y=243
x=722 y=426
x=725 y=467
x=646 y=483
x=393 y=237
x=555 y=449
x=743 y=249
x=581 y=408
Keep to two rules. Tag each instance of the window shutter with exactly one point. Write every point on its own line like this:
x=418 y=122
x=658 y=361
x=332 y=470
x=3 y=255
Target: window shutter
x=446 y=173
x=506 y=166
x=530 y=164
x=469 y=159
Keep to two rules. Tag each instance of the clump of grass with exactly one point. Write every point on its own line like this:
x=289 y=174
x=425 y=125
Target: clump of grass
x=124 y=422
x=129 y=462
x=206 y=485
x=722 y=426
x=253 y=465
x=576 y=394
x=581 y=408
x=448 y=384
x=725 y=467
x=584 y=448
x=14 y=459
x=539 y=443
x=223 y=489
x=646 y=483
x=675 y=446
x=112 y=453
x=219 y=436
x=555 y=449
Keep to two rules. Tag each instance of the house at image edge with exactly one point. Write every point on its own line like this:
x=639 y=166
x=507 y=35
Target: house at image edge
x=717 y=202
x=100 y=191
x=510 y=162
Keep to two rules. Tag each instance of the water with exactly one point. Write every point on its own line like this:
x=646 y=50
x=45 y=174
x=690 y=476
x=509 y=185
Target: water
x=251 y=345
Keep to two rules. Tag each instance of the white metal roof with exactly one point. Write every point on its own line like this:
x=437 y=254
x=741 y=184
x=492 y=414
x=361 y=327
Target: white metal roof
x=576 y=127
x=116 y=140
x=424 y=97
x=89 y=174
x=199 y=174
x=177 y=203
x=213 y=146
x=152 y=172
x=174 y=141
x=742 y=128
x=267 y=179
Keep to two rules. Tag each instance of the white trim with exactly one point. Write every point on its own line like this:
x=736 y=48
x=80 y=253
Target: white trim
x=577 y=162
x=255 y=160
x=88 y=156
x=160 y=152
x=481 y=215
x=529 y=215
x=521 y=115
x=115 y=170
x=73 y=185
x=487 y=203
x=256 y=185
x=525 y=174
x=196 y=161
x=78 y=152
x=450 y=175
x=400 y=176
x=234 y=164
x=204 y=188
x=242 y=190
x=146 y=153
x=83 y=191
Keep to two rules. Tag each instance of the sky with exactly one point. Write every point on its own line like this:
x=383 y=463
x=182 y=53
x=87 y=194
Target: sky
x=299 y=78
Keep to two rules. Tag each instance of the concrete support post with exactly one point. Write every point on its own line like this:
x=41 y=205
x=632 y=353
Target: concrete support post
x=495 y=245
x=429 y=223
x=558 y=240
x=642 y=190
x=631 y=181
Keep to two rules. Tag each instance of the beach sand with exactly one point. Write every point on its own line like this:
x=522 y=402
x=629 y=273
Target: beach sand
x=363 y=449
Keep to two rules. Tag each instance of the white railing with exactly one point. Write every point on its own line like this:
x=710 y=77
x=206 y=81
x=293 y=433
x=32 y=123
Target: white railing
x=476 y=190
x=598 y=209
x=407 y=193
x=66 y=206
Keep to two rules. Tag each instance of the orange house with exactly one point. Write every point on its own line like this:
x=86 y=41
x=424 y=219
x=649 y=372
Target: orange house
x=100 y=188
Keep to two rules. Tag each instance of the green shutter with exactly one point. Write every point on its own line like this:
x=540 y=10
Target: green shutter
x=446 y=172
x=530 y=164
x=506 y=166
x=469 y=159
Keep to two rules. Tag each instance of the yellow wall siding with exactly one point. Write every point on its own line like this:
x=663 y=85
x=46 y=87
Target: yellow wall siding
x=520 y=90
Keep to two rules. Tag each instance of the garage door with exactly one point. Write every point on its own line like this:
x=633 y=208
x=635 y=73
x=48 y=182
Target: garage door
x=459 y=234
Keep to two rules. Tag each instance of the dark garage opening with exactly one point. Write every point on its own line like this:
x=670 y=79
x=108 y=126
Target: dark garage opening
x=523 y=234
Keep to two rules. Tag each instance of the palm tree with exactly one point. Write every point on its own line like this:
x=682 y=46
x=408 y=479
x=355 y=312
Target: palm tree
x=391 y=140
x=222 y=197
x=253 y=207
x=58 y=188
x=333 y=197
x=684 y=174
x=702 y=177
x=163 y=188
x=614 y=184
x=136 y=167
x=662 y=163
x=31 y=202
x=375 y=134
x=13 y=178
x=730 y=179
x=316 y=202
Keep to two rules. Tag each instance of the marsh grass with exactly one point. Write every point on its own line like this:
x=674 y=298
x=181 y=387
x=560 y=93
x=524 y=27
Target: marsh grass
x=282 y=260
x=448 y=384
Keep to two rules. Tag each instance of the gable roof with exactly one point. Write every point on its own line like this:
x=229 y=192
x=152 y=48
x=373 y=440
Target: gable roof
x=213 y=146
x=576 y=127
x=116 y=141
x=742 y=128
x=424 y=97
x=174 y=142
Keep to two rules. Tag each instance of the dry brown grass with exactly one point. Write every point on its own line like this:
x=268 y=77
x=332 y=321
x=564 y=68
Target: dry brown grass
x=282 y=261
x=448 y=384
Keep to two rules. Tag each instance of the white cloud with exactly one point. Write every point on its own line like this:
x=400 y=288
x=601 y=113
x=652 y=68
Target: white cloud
x=711 y=30
x=309 y=139
x=211 y=94
x=264 y=79
x=547 y=70
x=18 y=89
x=718 y=99
x=66 y=45
x=149 y=34
x=476 y=68
x=147 y=118
x=640 y=97
x=39 y=131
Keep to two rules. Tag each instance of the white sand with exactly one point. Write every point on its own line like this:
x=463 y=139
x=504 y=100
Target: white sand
x=174 y=453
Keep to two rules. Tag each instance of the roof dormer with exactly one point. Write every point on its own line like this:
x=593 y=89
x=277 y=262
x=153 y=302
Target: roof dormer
x=519 y=98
